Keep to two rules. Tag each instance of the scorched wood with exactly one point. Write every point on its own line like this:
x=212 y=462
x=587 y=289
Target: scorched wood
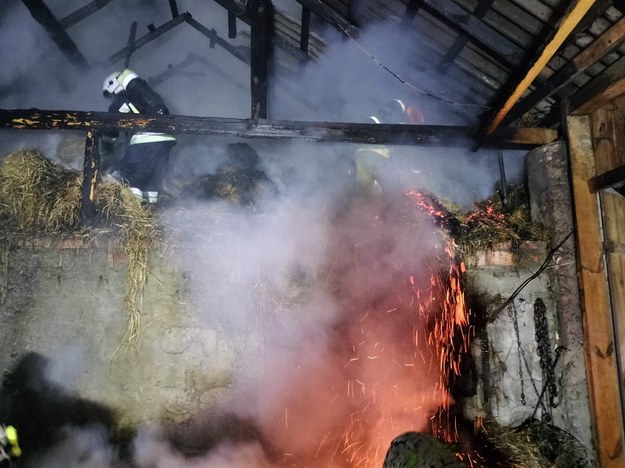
x=331 y=132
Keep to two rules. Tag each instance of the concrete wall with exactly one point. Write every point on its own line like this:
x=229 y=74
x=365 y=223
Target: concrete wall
x=65 y=302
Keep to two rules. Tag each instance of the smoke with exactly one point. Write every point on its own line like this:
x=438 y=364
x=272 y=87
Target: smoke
x=325 y=298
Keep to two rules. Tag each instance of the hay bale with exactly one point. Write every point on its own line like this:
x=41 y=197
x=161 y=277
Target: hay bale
x=38 y=196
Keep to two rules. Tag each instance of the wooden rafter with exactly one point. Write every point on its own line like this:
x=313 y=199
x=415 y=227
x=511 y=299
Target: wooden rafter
x=461 y=20
x=567 y=25
x=82 y=13
x=44 y=16
x=462 y=39
x=362 y=133
x=599 y=48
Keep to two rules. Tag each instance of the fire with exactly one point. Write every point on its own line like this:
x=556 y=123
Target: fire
x=389 y=361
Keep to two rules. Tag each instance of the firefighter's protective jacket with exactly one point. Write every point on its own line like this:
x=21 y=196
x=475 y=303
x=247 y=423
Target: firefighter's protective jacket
x=138 y=98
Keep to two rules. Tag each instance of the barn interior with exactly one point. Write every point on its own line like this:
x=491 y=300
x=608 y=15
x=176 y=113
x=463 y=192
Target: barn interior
x=324 y=281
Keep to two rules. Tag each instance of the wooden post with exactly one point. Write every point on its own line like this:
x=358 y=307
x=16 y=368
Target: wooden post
x=599 y=333
x=261 y=16
x=91 y=175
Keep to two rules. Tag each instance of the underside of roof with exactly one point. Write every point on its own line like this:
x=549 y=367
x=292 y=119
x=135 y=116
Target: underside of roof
x=490 y=64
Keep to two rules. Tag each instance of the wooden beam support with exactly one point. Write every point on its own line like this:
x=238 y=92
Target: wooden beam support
x=613 y=178
x=576 y=14
x=332 y=17
x=44 y=16
x=91 y=176
x=461 y=41
x=600 y=90
x=82 y=13
x=240 y=52
x=598 y=49
x=599 y=338
x=174 y=8
x=149 y=37
x=331 y=132
x=260 y=11
x=461 y=20
x=305 y=31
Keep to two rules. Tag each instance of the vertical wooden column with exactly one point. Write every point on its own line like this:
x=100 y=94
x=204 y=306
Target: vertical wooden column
x=599 y=335
x=261 y=18
x=91 y=174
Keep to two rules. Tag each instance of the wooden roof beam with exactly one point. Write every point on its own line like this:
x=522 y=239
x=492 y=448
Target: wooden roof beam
x=598 y=49
x=568 y=24
x=461 y=20
x=330 y=132
x=44 y=16
x=614 y=179
x=332 y=17
x=600 y=90
x=82 y=13
x=461 y=41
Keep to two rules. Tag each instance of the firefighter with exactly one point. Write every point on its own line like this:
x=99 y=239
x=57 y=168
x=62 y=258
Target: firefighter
x=145 y=159
x=9 y=448
x=373 y=161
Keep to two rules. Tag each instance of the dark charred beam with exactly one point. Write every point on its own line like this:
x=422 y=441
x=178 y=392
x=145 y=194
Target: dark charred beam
x=174 y=8
x=331 y=16
x=82 y=13
x=331 y=132
x=461 y=20
x=610 y=179
x=602 y=46
x=232 y=25
x=149 y=37
x=172 y=70
x=41 y=13
x=262 y=17
x=284 y=44
x=239 y=52
x=91 y=175
x=412 y=8
x=305 y=32
x=600 y=90
x=131 y=42
x=461 y=40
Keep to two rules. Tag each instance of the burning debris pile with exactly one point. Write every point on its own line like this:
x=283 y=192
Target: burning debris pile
x=39 y=197
x=488 y=223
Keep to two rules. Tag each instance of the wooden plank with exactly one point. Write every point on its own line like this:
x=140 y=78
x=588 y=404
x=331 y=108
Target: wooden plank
x=603 y=139
x=613 y=221
x=363 y=133
x=331 y=16
x=617 y=106
x=600 y=90
x=601 y=365
x=477 y=30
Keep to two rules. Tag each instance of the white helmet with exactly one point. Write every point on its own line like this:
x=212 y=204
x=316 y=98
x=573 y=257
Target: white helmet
x=111 y=85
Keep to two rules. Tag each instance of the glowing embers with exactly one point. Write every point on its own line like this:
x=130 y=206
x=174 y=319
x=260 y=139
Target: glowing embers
x=385 y=365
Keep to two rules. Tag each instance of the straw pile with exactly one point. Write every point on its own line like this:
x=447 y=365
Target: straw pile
x=536 y=444
x=39 y=197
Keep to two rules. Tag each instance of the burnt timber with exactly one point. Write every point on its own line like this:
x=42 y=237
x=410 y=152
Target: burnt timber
x=331 y=132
